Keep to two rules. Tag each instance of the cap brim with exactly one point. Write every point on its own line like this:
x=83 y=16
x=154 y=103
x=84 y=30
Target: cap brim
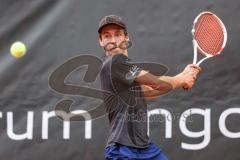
x=120 y=25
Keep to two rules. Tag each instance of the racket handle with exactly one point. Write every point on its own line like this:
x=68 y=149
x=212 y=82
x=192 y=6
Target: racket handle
x=194 y=51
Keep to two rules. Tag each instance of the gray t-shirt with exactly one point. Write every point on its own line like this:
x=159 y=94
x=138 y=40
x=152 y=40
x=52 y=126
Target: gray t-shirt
x=127 y=119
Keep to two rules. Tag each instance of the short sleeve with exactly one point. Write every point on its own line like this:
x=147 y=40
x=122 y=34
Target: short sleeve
x=123 y=70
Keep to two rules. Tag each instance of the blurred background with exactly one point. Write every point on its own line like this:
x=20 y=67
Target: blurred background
x=58 y=30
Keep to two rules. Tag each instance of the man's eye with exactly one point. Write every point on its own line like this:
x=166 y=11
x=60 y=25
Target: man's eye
x=106 y=36
x=118 y=34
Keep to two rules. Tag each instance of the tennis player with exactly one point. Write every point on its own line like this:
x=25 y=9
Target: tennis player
x=128 y=137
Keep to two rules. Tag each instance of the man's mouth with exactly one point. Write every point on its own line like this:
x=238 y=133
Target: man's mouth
x=123 y=45
x=110 y=46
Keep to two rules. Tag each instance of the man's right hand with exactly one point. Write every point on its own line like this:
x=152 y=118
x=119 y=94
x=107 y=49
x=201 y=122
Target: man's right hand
x=188 y=76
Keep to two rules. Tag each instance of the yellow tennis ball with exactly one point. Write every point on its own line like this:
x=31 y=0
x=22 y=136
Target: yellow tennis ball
x=18 y=49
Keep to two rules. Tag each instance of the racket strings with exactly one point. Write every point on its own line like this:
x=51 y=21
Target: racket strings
x=209 y=34
x=206 y=33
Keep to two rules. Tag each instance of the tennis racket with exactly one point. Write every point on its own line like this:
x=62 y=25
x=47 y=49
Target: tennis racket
x=209 y=36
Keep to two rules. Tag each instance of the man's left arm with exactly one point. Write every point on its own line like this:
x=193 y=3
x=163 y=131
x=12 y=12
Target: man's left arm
x=150 y=93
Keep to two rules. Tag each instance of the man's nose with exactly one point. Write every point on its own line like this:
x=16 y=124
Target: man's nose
x=113 y=40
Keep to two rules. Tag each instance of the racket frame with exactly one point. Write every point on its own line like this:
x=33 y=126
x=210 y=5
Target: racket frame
x=196 y=47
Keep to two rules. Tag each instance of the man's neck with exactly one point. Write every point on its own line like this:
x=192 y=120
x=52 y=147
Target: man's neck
x=124 y=53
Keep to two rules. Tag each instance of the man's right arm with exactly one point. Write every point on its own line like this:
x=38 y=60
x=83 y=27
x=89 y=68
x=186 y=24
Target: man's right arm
x=161 y=83
x=166 y=83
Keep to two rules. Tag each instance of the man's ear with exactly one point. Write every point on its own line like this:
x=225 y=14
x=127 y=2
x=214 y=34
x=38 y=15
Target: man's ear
x=127 y=38
x=100 y=42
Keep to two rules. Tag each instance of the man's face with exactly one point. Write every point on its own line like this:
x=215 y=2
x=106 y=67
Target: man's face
x=112 y=34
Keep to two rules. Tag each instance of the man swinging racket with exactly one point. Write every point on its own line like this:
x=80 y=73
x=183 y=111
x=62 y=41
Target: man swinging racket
x=128 y=137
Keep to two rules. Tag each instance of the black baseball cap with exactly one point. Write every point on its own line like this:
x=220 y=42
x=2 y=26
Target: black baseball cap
x=111 y=19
